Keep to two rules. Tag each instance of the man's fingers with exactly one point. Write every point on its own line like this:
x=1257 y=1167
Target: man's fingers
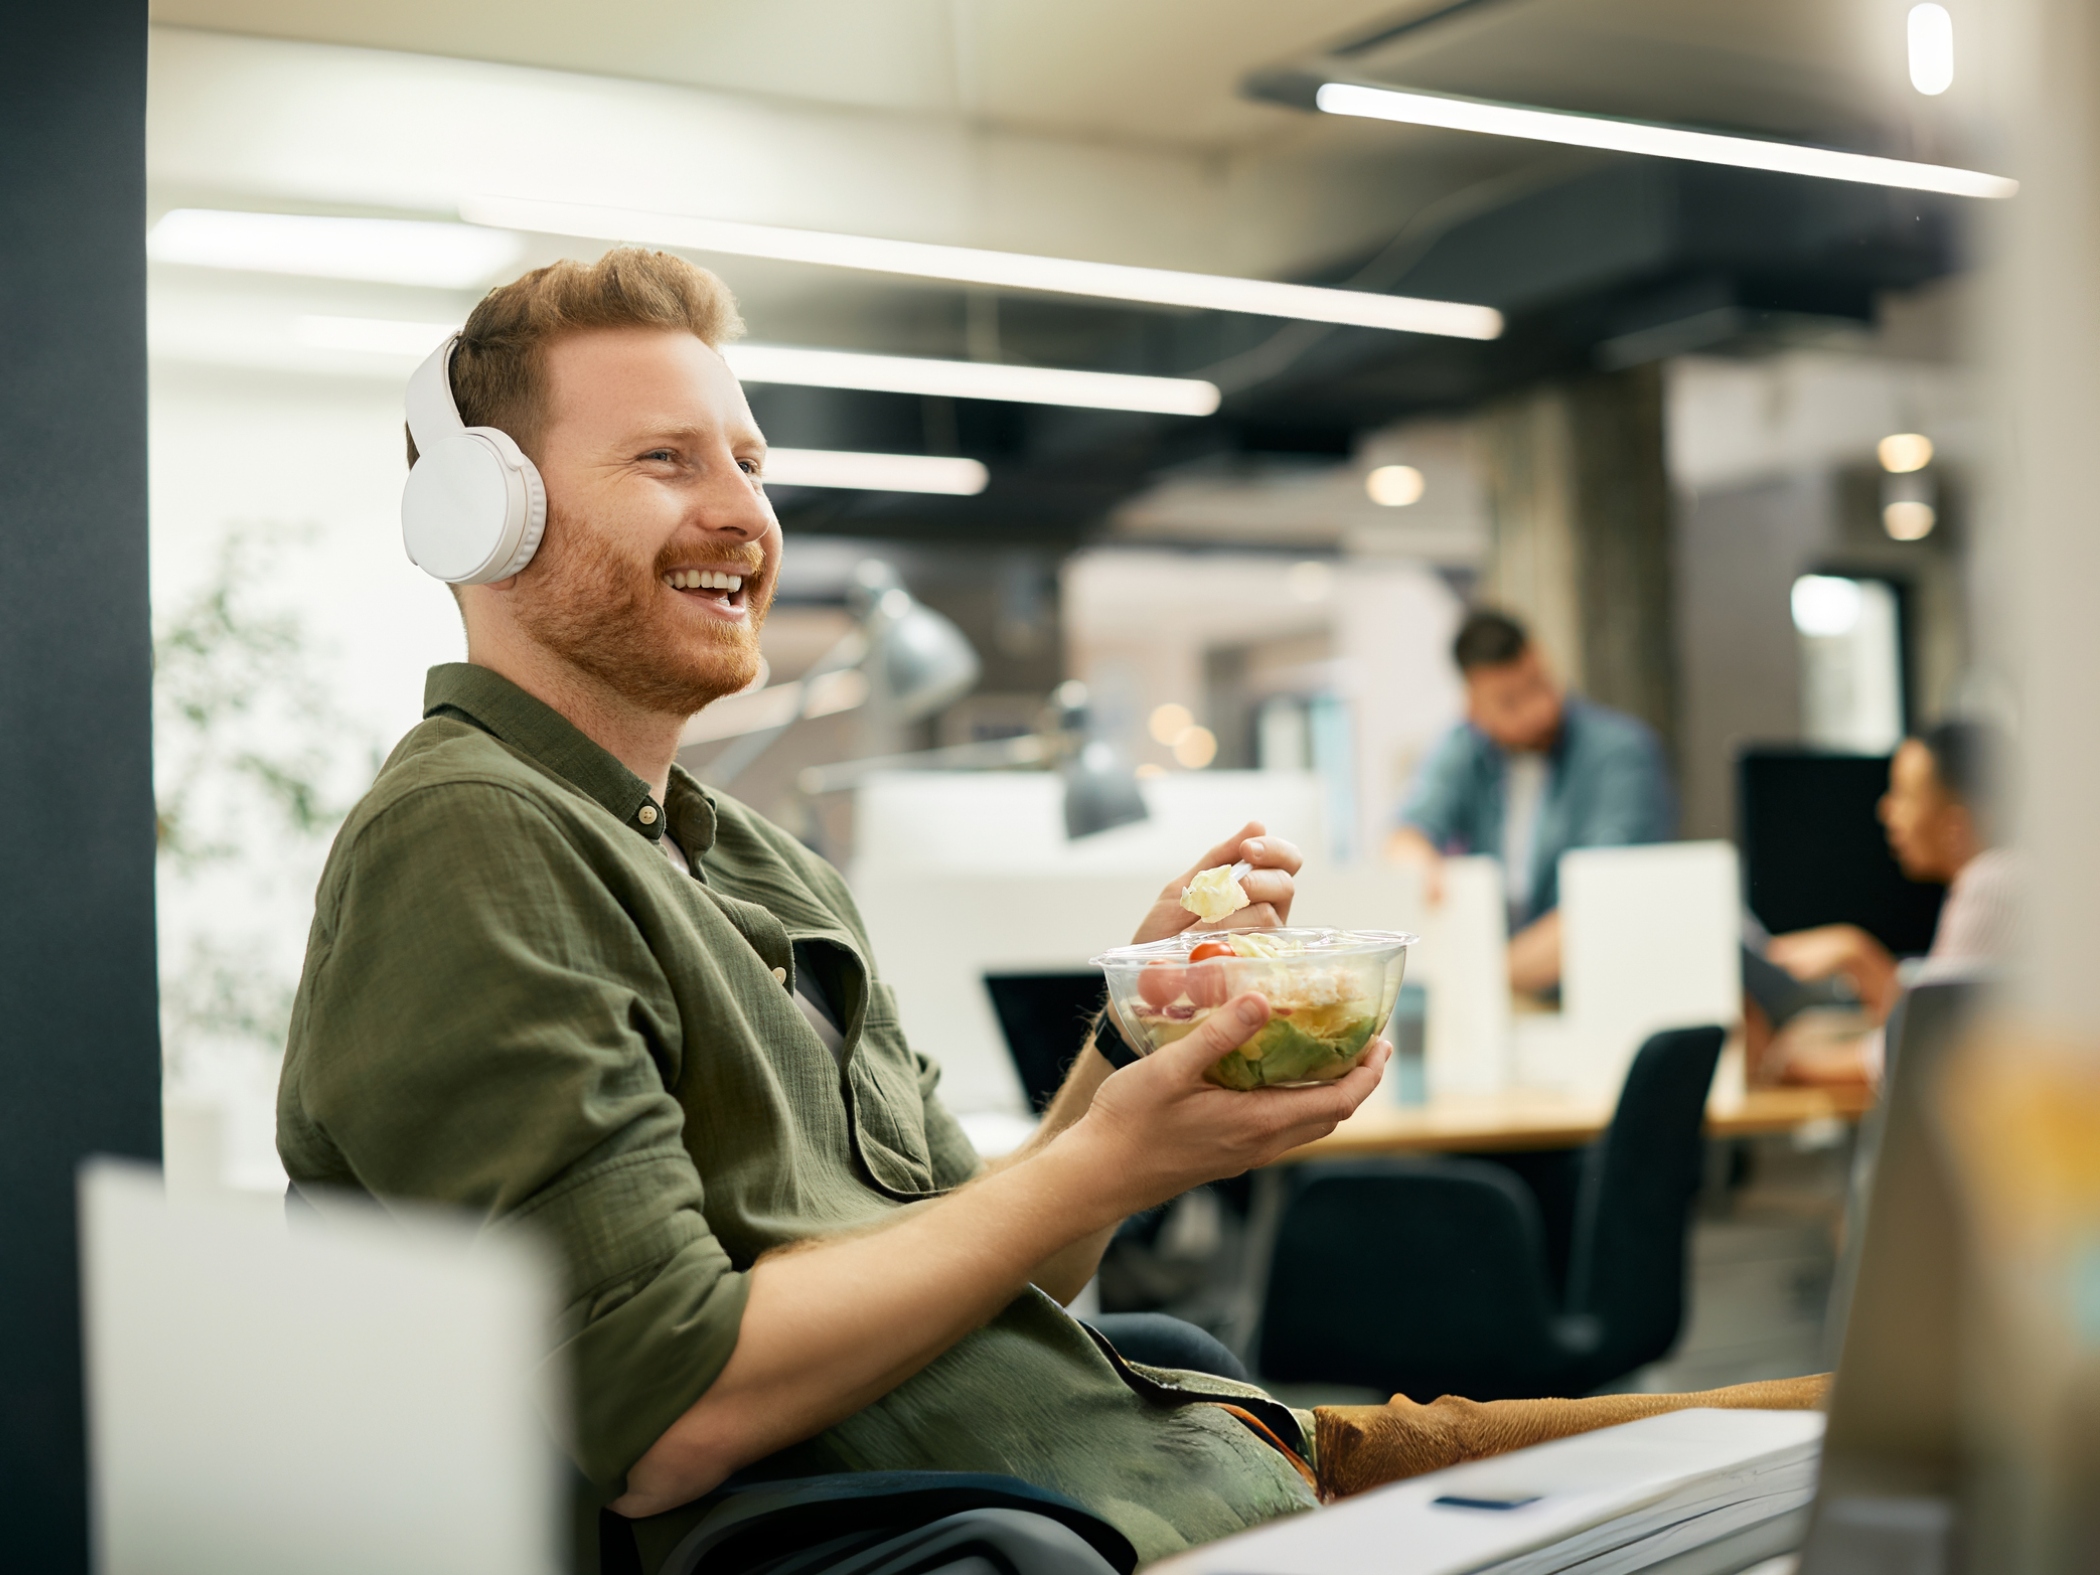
x=1265 y=852
x=1226 y=1029
x=1255 y=916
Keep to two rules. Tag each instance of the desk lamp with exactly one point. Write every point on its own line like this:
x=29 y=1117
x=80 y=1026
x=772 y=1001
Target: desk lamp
x=914 y=660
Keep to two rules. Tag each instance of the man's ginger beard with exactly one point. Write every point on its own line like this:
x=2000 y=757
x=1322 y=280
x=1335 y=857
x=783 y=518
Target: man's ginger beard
x=610 y=616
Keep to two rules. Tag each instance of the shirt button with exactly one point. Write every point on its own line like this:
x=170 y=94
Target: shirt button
x=646 y=814
x=780 y=976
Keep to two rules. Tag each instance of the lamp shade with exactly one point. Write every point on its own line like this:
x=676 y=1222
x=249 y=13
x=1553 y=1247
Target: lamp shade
x=1101 y=791
x=918 y=661
x=1101 y=787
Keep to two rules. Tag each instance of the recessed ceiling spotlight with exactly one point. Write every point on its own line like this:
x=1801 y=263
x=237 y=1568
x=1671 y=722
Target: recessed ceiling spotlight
x=1901 y=453
x=1908 y=519
x=1394 y=486
x=1931 y=49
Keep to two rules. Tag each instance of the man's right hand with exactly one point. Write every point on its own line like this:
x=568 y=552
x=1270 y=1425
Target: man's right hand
x=1159 y=1127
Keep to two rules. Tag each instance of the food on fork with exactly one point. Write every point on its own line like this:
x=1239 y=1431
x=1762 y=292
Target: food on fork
x=1216 y=893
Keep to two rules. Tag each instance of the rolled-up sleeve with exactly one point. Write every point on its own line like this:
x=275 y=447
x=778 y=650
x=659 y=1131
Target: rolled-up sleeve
x=482 y=1024
x=1436 y=802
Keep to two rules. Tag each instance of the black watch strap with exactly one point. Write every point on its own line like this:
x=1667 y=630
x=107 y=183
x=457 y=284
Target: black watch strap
x=1109 y=1041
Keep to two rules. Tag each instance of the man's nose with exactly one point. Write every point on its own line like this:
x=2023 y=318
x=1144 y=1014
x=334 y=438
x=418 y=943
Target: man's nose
x=730 y=504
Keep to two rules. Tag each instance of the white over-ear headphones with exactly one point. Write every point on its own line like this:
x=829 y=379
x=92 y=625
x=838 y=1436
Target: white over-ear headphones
x=474 y=507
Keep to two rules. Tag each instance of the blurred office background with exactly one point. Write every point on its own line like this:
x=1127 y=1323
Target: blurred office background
x=1671 y=459
x=1143 y=431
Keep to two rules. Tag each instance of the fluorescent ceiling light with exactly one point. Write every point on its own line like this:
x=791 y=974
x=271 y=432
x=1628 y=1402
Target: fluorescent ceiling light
x=822 y=467
x=893 y=374
x=1028 y=385
x=385 y=251
x=374 y=335
x=1006 y=270
x=1668 y=142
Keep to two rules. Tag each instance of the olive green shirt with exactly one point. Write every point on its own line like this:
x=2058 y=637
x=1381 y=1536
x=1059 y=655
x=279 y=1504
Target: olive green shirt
x=515 y=1003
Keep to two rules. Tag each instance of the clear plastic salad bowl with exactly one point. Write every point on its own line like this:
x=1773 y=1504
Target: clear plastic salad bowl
x=1329 y=991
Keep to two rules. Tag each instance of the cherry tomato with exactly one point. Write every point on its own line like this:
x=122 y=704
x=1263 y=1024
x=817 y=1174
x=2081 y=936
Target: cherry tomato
x=1159 y=985
x=1210 y=949
x=1209 y=982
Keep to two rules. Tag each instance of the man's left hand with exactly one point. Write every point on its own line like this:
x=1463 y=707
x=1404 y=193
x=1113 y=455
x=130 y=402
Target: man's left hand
x=1268 y=886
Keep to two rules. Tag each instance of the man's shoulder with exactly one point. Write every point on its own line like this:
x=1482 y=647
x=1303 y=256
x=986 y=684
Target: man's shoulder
x=1602 y=731
x=445 y=779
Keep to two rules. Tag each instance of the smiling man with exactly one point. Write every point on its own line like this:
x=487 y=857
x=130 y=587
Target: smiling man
x=553 y=980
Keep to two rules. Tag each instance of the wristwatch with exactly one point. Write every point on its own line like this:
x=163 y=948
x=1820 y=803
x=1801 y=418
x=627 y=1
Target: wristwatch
x=1109 y=1041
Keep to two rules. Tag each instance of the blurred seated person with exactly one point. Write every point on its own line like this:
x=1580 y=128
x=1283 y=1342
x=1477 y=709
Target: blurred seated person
x=1529 y=774
x=1937 y=818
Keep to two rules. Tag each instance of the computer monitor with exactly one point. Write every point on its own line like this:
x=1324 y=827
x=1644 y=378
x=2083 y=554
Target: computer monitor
x=1044 y=1017
x=1814 y=851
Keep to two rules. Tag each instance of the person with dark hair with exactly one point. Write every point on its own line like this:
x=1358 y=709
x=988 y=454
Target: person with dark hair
x=1529 y=774
x=1938 y=815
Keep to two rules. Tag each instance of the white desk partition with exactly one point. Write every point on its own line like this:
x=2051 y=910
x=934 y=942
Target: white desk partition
x=1465 y=955
x=1651 y=938
x=1460 y=964
x=937 y=935
x=338 y=1398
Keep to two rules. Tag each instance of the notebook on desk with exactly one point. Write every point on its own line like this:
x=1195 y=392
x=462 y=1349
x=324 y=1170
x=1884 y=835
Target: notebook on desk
x=1604 y=1503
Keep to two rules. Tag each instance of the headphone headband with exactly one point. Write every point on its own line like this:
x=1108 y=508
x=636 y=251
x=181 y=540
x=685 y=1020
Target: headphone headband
x=433 y=414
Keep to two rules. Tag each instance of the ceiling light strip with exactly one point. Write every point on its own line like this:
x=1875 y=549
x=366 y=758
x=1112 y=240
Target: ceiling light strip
x=1668 y=142
x=1029 y=385
x=810 y=368
x=867 y=472
x=1005 y=270
x=329 y=246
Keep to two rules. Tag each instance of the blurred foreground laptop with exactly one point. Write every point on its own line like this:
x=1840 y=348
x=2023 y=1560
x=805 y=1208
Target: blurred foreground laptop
x=351 y=1395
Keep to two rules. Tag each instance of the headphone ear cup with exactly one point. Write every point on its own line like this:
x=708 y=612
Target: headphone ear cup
x=473 y=509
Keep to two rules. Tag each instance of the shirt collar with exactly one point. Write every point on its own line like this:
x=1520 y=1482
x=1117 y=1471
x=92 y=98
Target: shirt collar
x=498 y=707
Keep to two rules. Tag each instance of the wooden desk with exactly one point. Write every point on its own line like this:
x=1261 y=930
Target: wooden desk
x=1531 y=1118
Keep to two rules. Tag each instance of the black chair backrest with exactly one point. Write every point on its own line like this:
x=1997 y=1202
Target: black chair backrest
x=1044 y=1017
x=1444 y=1289
x=1627 y=1268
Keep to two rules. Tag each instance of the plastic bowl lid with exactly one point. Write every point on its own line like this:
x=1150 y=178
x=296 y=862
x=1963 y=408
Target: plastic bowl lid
x=1296 y=943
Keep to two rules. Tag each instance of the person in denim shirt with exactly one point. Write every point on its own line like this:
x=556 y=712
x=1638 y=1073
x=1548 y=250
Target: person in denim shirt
x=1530 y=773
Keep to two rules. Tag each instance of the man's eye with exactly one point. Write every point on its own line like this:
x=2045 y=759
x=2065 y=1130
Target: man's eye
x=663 y=454
x=749 y=467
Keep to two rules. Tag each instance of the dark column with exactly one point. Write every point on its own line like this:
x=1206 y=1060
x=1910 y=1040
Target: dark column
x=1582 y=535
x=79 y=1039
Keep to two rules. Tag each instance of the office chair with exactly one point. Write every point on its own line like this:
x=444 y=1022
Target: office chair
x=869 y=1523
x=1430 y=1277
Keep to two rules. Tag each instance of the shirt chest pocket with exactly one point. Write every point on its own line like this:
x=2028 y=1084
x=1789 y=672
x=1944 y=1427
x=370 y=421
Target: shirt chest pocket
x=888 y=1110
